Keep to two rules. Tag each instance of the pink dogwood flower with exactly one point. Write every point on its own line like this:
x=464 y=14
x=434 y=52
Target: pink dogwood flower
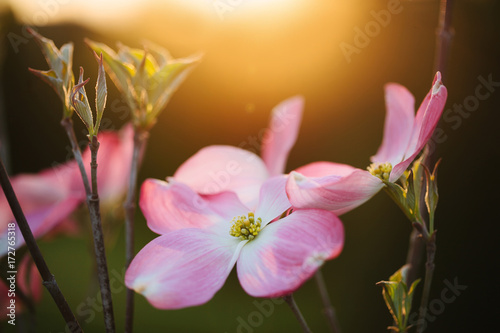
x=46 y=199
x=49 y=197
x=215 y=169
x=339 y=187
x=204 y=236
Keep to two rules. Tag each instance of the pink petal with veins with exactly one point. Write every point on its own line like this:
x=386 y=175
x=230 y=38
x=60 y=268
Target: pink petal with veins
x=273 y=200
x=282 y=133
x=216 y=169
x=172 y=206
x=427 y=118
x=288 y=252
x=400 y=105
x=182 y=268
x=339 y=194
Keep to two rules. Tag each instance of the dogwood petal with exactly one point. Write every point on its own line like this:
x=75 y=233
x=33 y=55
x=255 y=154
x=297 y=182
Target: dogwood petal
x=114 y=160
x=272 y=200
x=282 y=133
x=182 y=268
x=339 y=194
x=174 y=205
x=427 y=118
x=400 y=105
x=215 y=169
x=288 y=252
x=322 y=168
x=46 y=200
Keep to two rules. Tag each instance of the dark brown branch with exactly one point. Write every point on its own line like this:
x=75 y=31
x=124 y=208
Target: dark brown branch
x=140 y=141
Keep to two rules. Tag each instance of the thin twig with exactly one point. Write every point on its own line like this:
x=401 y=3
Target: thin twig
x=49 y=280
x=445 y=34
x=67 y=124
x=140 y=141
x=100 y=251
x=95 y=218
x=414 y=256
x=295 y=309
x=328 y=309
x=429 y=272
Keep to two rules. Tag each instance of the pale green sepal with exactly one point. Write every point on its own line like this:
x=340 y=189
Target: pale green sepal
x=432 y=195
x=399 y=196
x=418 y=185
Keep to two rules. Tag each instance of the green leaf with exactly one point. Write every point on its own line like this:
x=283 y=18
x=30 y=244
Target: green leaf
x=399 y=196
x=50 y=51
x=81 y=104
x=398 y=298
x=120 y=73
x=418 y=184
x=161 y=55
x=50 y=77
x=138 y=58
x=67 y=70
x=101 y=92
x=166 y=81
x=432 y=195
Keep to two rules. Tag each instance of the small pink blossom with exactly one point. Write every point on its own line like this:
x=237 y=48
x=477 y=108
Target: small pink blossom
x=49 y=197
x=339 y=187
x=46 y=199
x=204 y=236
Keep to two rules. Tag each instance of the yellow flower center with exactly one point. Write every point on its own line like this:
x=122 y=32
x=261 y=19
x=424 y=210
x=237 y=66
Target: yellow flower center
x=381 y=170
x=245 y=227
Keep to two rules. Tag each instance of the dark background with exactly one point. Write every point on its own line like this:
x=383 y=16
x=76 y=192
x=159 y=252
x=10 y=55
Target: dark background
x=251 y=63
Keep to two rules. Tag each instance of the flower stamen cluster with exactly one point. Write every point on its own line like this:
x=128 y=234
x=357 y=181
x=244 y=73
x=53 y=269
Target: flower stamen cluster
x=380 y=170
x=245 y=228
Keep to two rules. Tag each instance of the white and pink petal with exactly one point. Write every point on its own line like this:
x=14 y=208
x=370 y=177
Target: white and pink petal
x=338 y=194
x=273 y=200
x=216 y=169
x=399 y=121
x=288 y=252
x=174 y=205
x=426 y=120
x=182 y=268
x=282 y=134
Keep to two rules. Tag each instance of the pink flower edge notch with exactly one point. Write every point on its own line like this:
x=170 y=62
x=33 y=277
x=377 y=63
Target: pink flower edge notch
x=187 y=266
x=341 y=188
